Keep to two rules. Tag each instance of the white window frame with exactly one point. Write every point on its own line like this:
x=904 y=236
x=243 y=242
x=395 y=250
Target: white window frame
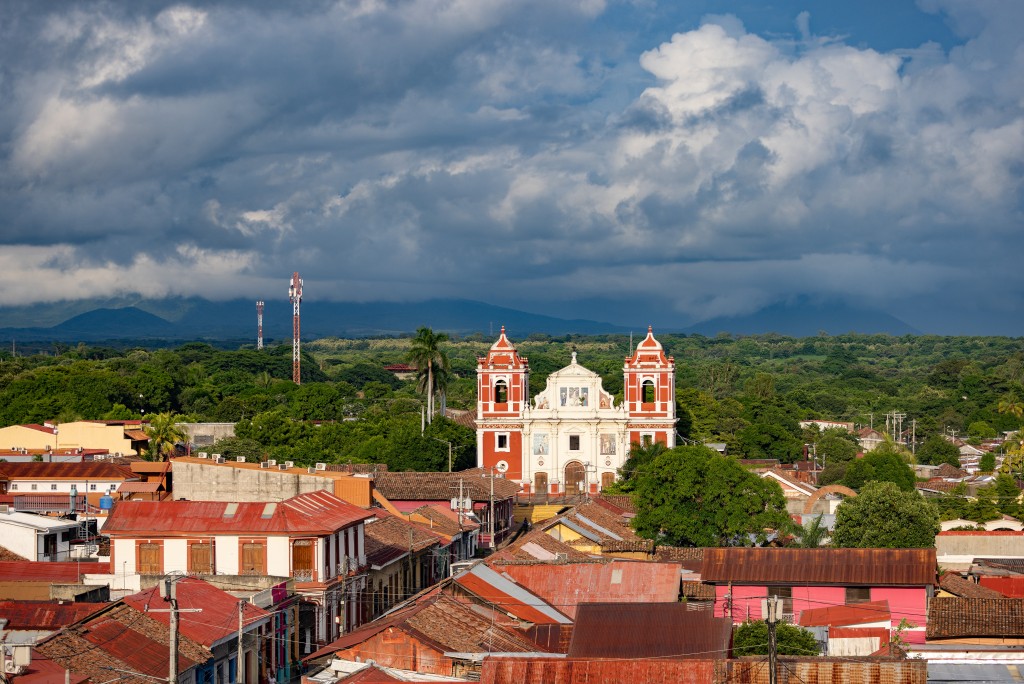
x=647 y=438
x=497 y=442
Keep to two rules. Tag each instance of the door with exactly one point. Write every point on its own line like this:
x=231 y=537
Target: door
x=540 y=483
x=575 y=478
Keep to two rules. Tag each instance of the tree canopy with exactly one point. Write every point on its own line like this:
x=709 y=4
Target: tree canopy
x=751 y=638
x=692 y=496
x=937 y=450
x=883 y=516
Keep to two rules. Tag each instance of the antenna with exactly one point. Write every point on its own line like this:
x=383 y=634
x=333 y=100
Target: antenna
x=259 y=324
x=295 y=296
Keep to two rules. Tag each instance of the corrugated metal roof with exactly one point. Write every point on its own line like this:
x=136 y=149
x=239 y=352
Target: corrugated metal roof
x=872 y=567
x=604 y=530
x=311 y=513
x=508 y=596
x=139 y=487
x=44 y=615
x=43 y=470
x=524 y=550
x=648 y=630
x=854 y=614
x=498 y=670
x=566 y=586
x=206 y=627
x=581 y=530
x=1012 y=587
x=58 y=573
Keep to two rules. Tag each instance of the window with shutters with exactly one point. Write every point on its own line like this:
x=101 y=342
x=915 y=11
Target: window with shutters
x=150 y=559
x=200 y=558
x=302 y=560
x=858 y=594
x=254 y=558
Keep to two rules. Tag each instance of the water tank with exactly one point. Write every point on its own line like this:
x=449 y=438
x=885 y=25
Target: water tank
x=106 y=503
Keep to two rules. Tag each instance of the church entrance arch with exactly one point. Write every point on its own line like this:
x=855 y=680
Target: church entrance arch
x=575 y=478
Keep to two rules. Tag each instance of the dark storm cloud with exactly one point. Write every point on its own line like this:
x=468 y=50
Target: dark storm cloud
x=410 y=149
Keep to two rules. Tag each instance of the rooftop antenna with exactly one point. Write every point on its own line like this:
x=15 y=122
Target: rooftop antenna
x=295 y=296
x=259 y=324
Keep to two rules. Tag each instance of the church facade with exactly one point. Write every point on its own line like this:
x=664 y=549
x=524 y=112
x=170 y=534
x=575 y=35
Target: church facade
x=572 y=436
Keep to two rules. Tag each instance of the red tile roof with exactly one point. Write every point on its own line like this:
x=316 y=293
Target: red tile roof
x=44 y=615
x=842 y=616
x=567 y=586
x=537 y=546
x=975 y=617
x=57 y=573
x=206 y=627
x=958 y=586
x=871 y=567
x=648 y=630
x=389 y=538
x=443 y=486
x=311 y=513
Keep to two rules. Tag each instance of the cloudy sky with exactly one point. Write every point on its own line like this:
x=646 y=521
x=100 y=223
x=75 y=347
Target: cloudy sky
x=669 y=161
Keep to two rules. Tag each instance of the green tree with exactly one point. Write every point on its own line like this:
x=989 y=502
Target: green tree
x=981 y=429
x=691 y=496
x=812 y=534
x=640 y=456
x=883 y=464
x=163 y=432
x=882 y=516
x=1011 y=404
x=937 y=450
x=987 y=463
x=836 y=445
x=751 y=638
x=426 y=354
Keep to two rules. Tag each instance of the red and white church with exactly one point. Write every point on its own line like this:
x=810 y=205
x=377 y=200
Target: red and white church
x=571 y=437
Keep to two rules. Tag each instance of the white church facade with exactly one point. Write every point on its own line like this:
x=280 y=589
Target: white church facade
x=571 y=437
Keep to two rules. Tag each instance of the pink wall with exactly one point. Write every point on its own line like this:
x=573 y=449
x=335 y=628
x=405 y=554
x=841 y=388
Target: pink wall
x=909 y=603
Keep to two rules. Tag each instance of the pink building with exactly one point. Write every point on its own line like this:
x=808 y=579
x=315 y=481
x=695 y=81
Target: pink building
x=807 y=579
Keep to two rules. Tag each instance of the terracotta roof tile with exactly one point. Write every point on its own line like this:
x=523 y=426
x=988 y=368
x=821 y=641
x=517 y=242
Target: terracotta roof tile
x=687 y=555
x=443 y=486
x=958 y=586
x=975 y=617
x=390 y=537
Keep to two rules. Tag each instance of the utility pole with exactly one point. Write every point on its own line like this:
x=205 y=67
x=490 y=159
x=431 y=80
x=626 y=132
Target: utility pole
x=171 y=594
x=449 y=457
x=490 y=511
x=240 y=664
x=773 y=656
x=344 y=588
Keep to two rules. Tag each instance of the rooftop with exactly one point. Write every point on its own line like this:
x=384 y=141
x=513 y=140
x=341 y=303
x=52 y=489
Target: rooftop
x=443 y=486
x=648 y=630
x=872 y=567
x=975 y=617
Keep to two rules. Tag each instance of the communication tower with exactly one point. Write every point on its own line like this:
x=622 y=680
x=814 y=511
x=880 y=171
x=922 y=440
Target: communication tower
x=259 y=324
x=295 y=296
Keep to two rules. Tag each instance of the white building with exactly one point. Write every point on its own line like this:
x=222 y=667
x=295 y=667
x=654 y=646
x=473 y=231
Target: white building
x=36 y=537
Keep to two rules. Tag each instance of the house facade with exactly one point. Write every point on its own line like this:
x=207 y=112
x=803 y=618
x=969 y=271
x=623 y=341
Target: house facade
x=572 y=437
x=806 y=579
x=37 y=537
x=315 y=538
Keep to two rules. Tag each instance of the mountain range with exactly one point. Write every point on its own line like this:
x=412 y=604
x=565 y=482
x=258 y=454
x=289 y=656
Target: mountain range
x=199 y=319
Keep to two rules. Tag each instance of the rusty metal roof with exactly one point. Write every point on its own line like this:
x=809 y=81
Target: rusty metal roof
x=58 y=573
x=507 y=596
x=310 y=513
x=842 y=616
x=648 y=630
x=206 y=627
x=872 y=567
x=44 y=615
x=44 y=470
x=500 y=670
x=537 y=546
x=567 y=586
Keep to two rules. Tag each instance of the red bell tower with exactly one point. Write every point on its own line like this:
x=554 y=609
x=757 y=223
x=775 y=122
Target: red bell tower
x=650 y=394
x=503 y=391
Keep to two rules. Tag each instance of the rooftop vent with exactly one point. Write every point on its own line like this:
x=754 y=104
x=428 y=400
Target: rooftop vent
x=239 y=459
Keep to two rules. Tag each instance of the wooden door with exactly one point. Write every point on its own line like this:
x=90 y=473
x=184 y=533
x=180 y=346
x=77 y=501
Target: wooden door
x=253 y=558
x=302 y=560
x=540 y=483
x=575 y=478
x=149 y=559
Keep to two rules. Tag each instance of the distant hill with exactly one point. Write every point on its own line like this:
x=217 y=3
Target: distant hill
x=198 y=319
x=804 y=318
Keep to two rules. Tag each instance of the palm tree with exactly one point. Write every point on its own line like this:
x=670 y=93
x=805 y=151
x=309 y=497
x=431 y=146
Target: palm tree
x=163 y=431
x=813 y=534
x=426 y=354
x=1011 y=404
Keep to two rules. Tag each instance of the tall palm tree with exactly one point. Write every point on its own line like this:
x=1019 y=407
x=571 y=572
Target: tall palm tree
x=426 y=354
x=1011 y=404
x=164 y=432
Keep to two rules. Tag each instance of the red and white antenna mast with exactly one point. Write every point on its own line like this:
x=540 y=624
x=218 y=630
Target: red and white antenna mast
x=295 y=296
x=259 y=324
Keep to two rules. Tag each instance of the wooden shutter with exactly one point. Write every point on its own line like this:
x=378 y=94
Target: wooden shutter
x=149 y=559
x=201 y=559
x=302 y=559
x=253 y=558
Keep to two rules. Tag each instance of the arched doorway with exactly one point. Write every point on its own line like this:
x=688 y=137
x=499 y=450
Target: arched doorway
x=575 y=478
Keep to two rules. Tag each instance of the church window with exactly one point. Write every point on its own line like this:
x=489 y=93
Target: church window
x=574 y=442
x=647 y=392
x=501 y=441
x=501 y=392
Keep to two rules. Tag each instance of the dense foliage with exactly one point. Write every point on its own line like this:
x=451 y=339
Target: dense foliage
x=749 y=392
x=883 y=516
x=692 y=496
x=751 y=638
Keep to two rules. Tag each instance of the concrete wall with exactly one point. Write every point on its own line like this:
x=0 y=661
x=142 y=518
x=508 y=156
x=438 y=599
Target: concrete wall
x=201 y=482
x=206 y=434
